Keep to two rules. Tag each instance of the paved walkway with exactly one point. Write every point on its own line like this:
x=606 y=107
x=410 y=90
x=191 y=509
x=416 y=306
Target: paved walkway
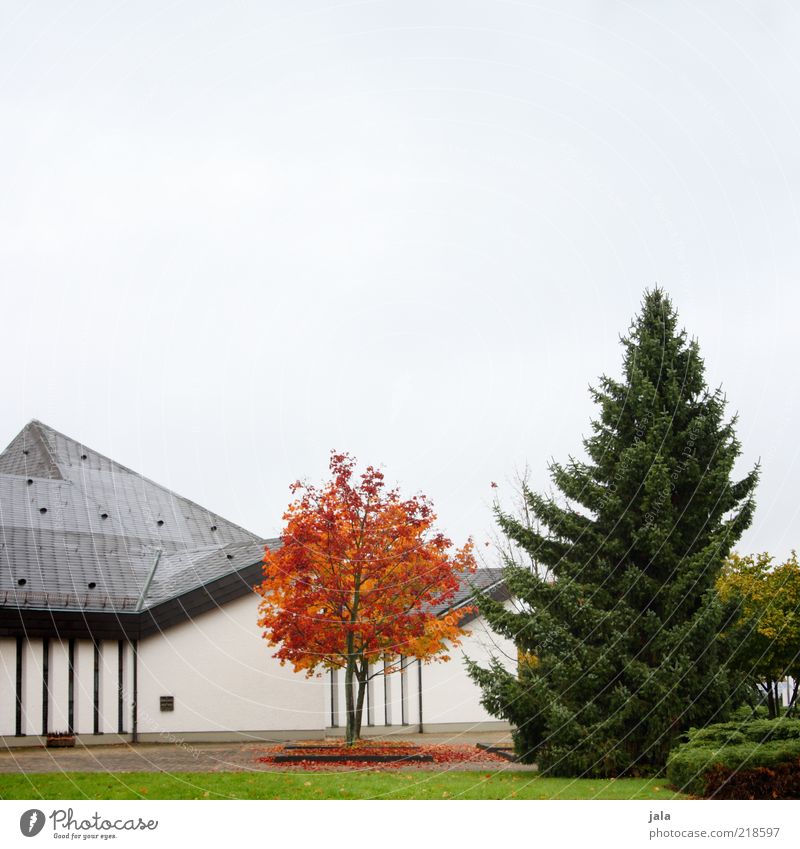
x=206 y=757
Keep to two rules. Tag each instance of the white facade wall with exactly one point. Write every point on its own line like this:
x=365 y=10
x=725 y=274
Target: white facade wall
x=8 y=686
x=84 y=687
x=59 y=686
x=412 y=692
x=396 y=695
x=373 y=702
x=449 y=694
x=223 y=678
x=338 y=698
x=331 y=680
x=32 y=687
x=127 y=687
x=341 y=702
x=389 y=691
x=109 y=687
x=383 y=696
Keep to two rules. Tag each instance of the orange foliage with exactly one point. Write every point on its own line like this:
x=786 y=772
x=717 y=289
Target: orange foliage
x=357 y=559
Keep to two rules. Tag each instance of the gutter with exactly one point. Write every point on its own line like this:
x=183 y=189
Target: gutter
x=140 y=603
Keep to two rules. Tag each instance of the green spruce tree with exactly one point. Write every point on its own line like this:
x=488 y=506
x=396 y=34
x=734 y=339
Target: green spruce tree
x=617 y=619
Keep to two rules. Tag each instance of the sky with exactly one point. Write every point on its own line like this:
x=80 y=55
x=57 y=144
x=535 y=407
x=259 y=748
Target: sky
x=237 y=235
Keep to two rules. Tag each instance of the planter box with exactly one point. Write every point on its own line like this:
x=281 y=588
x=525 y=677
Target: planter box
x=60 y=742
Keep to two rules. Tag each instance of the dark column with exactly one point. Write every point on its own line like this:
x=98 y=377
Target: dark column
x=419 y=685
x=96 y=687
x=45 y=685
x=71 y=687
x=18 y=729
x=385 y=695
x=120 y=688
x=334 y=699
x=134 y=706
x=403 y=717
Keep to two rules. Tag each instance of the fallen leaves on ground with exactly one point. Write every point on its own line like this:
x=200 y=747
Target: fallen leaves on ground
x=440 y=753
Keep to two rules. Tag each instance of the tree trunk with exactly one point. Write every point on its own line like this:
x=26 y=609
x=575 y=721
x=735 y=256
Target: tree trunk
x=351 y=732
x=361 y=676
x=354 y=673
x=353 y=714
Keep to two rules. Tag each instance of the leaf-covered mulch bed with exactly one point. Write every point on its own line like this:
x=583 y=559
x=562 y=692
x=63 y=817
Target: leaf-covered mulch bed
x=309 y=756
x=351 y=757
x=333 y=746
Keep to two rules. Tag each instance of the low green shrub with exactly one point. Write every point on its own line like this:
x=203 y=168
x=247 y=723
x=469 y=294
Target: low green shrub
x=730 y=747
x=747 y=713
x=755 y=731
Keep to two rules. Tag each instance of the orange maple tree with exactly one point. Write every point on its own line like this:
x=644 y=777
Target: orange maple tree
x=357 y=579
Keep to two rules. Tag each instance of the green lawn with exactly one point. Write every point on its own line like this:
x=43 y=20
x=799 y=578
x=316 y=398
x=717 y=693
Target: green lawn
x=342 y=785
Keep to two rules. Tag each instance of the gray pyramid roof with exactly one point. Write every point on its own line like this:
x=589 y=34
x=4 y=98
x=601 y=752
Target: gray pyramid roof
x=80 y=531
x=486 y=579
x=79 y=535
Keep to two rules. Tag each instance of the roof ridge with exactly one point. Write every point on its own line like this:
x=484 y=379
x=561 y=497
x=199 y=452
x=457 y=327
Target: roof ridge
x=37 y=427
x=144 y=478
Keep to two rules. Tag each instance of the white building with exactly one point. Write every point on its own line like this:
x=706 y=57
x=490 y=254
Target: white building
x=102 y=636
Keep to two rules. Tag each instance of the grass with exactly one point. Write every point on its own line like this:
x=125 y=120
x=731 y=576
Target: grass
x=341 y=785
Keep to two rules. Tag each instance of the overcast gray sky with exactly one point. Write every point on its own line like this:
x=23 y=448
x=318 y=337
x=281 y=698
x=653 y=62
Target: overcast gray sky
x=236 y=235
